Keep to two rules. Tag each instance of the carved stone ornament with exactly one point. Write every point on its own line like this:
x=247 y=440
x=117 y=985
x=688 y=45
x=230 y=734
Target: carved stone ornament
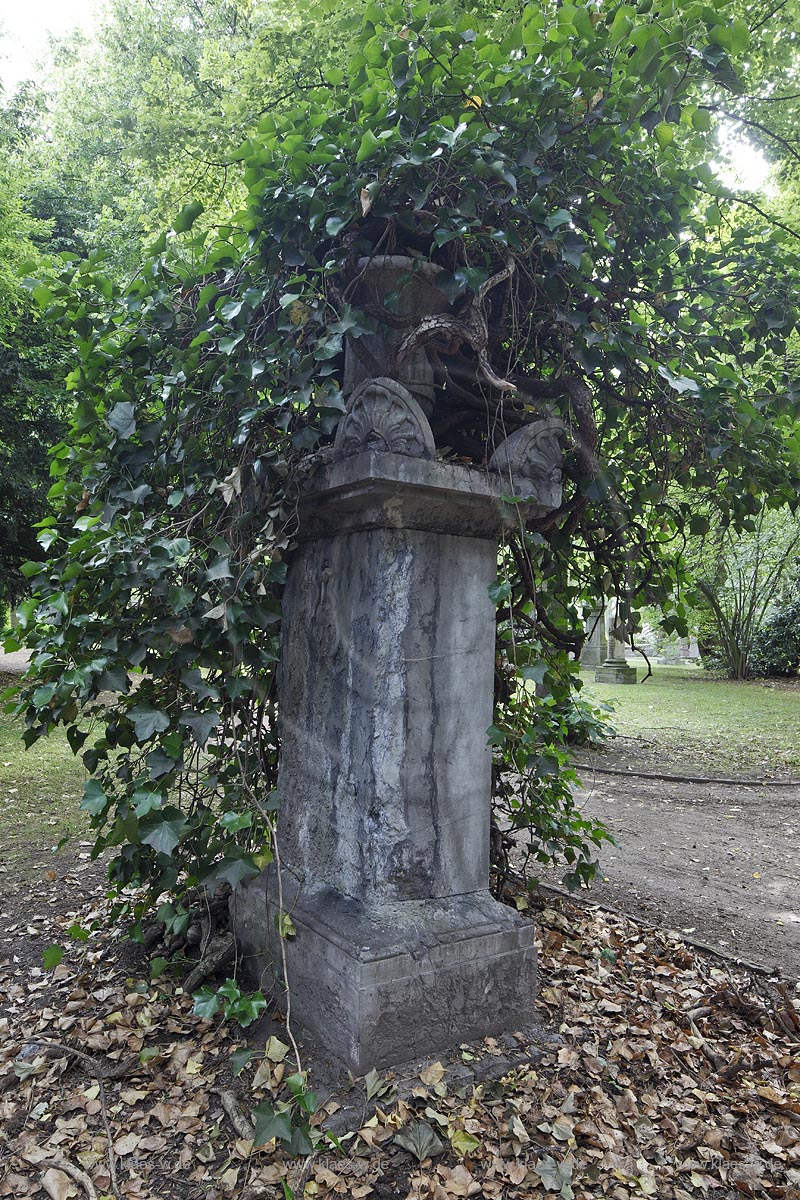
x=529 y=462
x=383 y=415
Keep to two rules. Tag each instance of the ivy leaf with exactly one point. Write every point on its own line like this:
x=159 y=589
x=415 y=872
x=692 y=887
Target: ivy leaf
x=147 y=721
x=206 y=1003
x=300 y=1144
x=234 y=870
x=239 y=1058
x=227 y=345
x=420 y=1139
x=167 y=831
x=122 y=419
x=270 y=1123
x=159 y=763
x=499 y=591
x=233 y=822
x=113 y=679
x=201 y=724
x=535 y=672
x=187 y=216
x=94 y=801
x=52 y=957
x=221 y=569
x=369 y=145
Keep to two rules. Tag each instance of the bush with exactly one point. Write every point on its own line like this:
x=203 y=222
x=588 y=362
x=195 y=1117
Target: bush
x=776 y=649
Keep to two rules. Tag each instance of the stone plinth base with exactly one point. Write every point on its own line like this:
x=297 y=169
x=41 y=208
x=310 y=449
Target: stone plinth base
x=381 y=982
x=615 y=673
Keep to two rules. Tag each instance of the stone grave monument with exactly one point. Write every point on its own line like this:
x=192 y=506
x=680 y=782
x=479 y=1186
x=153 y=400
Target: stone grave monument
x=595 y=648
x=385 y=698
x=615 y=669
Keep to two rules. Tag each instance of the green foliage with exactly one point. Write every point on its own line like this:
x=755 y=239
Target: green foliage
x=539 y=715
x=738 y=578
x=31 y=401
x=776 y=646
x=554 y=168
x=236 y=1005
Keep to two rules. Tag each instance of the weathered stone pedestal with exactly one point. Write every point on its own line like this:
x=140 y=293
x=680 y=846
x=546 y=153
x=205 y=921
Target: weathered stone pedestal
x=615 y=669
x=385 y=777
x=595 y=648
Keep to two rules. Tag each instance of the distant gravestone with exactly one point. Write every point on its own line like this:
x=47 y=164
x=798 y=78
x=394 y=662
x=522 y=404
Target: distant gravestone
x=595 y=648
x=386 y=695
x=615 y=668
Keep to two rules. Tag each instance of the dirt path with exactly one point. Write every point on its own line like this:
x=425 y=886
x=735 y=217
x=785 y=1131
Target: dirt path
x=718 y=863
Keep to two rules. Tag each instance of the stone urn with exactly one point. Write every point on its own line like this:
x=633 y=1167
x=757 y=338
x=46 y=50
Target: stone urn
x=409 y=285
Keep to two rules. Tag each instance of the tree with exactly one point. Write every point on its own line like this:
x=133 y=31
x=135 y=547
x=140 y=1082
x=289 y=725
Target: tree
x=738 y=577
x=31 y=404
x=155 y=109
x=549 y=166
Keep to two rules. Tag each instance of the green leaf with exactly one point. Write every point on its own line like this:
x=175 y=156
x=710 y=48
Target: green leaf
x=240 y=1058
x=187 y=216
x=147 y=721
x=227 y=345
x=699 y=524
x=94 y=799
x=201 y=724
x=206 y=1002
x=233 y=822
x=52 y=957
x=165 y=832
x=221 y=569
x=122 y=419
x=271 y=1123
x=664 y=134
x=369 y=145
x=300 y=1144
x=235 y=870
x=499 y=591
x=44 y=694
x=420 y=1139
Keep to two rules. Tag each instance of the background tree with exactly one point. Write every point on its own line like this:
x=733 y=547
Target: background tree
x=738 y=576
x=31 y=360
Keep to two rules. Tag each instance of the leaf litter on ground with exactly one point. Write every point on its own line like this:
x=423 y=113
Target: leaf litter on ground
x=674 y=1075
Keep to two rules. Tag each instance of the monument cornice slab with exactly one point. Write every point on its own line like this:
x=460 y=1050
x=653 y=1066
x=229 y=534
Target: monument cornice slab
x=380 y=490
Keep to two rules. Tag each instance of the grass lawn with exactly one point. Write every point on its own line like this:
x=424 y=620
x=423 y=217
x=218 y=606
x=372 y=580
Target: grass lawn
x=40 y=790
x=717 y=724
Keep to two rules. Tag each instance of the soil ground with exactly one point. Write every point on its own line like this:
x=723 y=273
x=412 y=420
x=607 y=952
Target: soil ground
x=719 y=864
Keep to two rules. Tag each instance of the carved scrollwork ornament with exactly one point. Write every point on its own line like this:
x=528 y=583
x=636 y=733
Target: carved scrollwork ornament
x=382 y=415
x=530 y=461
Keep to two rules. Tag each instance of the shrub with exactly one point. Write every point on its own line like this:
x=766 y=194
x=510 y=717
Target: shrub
x=776 y=649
